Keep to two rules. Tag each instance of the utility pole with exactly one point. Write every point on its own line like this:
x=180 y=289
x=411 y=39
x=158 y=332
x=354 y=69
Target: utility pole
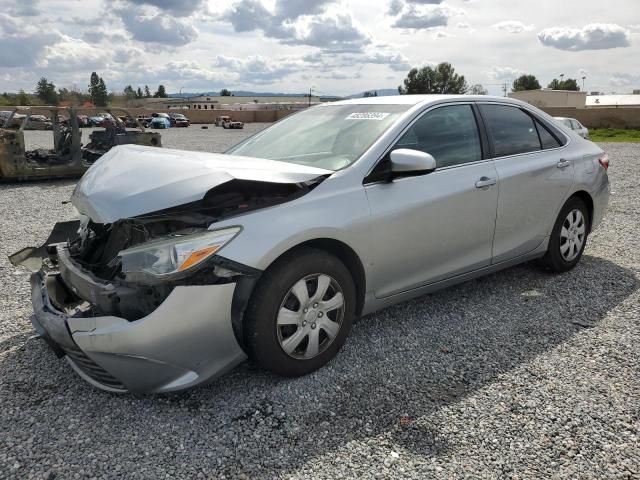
x=310 y=88
x=583 y=79
x=504 y=88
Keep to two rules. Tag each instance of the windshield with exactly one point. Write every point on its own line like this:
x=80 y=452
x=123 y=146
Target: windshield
x=329 y=136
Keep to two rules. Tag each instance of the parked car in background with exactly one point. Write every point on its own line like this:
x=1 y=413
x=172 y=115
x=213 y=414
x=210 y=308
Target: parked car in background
x=97 y=120
x=233 y=124
x=184 y=263
x=221 y=119
x=38 y=122
x=144 y=120
x=574 y=125
x=179 y=120
x=160 y=122
x=16 y=119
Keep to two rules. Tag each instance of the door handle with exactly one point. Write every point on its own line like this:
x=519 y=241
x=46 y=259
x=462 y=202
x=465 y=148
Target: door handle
x=563 y=163
x=485 y=182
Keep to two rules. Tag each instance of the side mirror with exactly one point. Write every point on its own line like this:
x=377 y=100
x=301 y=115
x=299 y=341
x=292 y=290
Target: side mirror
x=405 y=161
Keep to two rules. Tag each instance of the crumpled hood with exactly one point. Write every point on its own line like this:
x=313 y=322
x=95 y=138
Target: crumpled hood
x=132 y=180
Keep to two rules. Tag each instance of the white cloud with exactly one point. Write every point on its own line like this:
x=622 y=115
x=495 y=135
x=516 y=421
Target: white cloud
x=299 y=23
x=503 y=73
x=424 y=16
x=22 y=43
x=180 y=8
x=620 y=79
x=72 y=54
x=157 y=28
x=595 y=36
x=257 y=69
x=512 y=26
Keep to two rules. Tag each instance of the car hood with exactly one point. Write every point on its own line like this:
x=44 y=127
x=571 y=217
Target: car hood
x=132 y=180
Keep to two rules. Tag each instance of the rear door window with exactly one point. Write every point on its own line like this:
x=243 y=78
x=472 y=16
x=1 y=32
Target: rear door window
x=511 y=130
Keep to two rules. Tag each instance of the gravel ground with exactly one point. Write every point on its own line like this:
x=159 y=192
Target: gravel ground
x=520 y=374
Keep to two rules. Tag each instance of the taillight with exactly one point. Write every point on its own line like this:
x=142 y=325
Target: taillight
x=604 y=161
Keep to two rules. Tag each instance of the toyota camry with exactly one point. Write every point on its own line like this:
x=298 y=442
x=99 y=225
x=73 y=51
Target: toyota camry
x=183 y=264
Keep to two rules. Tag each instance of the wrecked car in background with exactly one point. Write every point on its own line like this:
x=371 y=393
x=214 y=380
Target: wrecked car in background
x=179 y=120
x=68 y=157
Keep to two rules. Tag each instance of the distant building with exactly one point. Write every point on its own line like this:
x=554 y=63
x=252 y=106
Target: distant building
x=211 y=102
x=551 y=98
x=616 y=101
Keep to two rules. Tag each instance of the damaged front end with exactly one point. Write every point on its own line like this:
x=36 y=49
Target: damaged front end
x=148 y=303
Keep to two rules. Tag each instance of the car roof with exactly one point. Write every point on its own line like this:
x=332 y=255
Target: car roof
x=421 y=99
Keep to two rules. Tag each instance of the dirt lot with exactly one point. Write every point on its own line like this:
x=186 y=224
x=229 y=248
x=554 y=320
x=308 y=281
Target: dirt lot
x=520 y=374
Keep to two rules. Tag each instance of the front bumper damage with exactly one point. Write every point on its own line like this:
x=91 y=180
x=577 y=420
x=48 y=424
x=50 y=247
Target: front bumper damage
x=186 y=340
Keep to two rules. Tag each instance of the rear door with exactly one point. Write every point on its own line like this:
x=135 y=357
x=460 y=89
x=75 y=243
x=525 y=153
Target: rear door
x=430 y=227
x=535 y=174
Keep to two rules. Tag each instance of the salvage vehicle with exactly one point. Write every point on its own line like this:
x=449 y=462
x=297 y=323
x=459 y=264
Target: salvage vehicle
x=16 y=119
x=160 y=122
x=183 y=264
x=38 y=122
x=233 y=124
x=67 y=158
x=220 y=120
x=179 y=120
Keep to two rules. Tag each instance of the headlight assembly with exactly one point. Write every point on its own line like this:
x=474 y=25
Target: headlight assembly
x=175 y=254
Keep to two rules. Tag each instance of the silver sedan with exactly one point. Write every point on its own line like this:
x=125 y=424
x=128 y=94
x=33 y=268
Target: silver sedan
x=183 y=264
x=574 y=125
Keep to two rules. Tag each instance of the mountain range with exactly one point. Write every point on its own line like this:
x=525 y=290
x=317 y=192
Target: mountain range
x=243 y=93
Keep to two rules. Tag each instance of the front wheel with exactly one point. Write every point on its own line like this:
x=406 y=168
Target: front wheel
x=301 y=313
x=569 y=237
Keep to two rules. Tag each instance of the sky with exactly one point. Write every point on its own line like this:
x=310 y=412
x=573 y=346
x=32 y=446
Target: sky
x=336 y=47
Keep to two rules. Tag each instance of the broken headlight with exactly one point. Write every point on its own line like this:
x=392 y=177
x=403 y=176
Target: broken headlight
x=175 y=254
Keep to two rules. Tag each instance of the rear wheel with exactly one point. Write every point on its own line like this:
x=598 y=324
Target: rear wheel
x=301 y=313
x=569 y=237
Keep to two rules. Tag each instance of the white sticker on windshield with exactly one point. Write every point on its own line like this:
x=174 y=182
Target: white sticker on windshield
x=367 y=116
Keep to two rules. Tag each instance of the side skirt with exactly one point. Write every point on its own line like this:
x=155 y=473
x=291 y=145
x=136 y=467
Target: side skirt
x=373 y=303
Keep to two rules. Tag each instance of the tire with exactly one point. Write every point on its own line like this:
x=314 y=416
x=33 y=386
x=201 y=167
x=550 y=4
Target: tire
x=278 y=295
x=564 y=253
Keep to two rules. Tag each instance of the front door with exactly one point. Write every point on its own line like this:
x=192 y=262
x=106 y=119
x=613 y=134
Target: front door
x=431 y=227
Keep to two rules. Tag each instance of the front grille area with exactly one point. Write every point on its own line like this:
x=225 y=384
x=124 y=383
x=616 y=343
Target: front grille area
x=93 y=370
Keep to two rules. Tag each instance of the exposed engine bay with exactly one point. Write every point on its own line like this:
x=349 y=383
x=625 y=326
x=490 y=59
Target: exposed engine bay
x=97 y=246
x=86 y=254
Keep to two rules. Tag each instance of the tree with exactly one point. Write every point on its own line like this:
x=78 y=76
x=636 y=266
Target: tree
x=147 y=92
x=477 y=89
x=441 y=79
x=23 y=98
x=98 y=90
x=139 y=93
x=568 y=84
x=370 y=94
x=225 y=93
x=525 y=82
x=161 y=92
x=46 y=91
x=129 y=92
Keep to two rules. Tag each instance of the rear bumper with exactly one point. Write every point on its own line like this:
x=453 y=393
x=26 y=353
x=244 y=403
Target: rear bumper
x=187 y=340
